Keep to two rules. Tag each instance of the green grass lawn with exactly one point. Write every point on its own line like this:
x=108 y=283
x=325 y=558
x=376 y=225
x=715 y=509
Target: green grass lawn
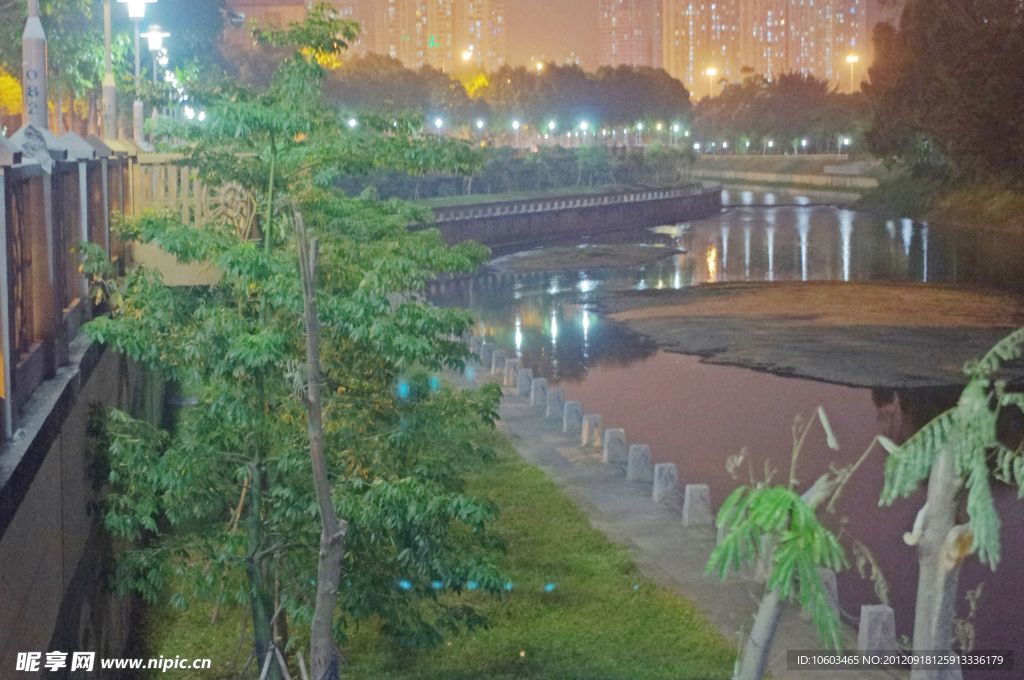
x=602 y=621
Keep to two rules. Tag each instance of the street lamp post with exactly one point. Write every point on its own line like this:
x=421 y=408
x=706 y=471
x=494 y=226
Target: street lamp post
x=137 y=12
x=852 y=60
x=515 y=126
x=711 y=73
x=155 y=38
x=109 y=84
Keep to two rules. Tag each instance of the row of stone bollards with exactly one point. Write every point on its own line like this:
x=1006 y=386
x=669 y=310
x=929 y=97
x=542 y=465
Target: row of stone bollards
x=877 y=625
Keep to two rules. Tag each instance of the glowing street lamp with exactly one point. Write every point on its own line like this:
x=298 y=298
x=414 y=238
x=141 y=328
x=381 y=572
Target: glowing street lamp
x=438 y=125
x=155 y=37
x=353 y=123
x=467 y=54
x=711 y=73
x=584 y=125
x=137 y=12
x=540 y=66
x=552 y=125
x=852 y=60
x=515 y=126
x=480 y=124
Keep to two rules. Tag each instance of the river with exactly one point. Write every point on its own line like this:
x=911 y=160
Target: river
x=696 y=414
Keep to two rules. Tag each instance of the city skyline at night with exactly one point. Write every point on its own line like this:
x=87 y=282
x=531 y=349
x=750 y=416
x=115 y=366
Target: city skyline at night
x=703 y=43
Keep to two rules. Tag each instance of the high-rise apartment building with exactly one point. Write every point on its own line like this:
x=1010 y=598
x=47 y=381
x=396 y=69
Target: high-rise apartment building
x=770 y=37
x=629 y=32
x=446 y=34
x=699 y=37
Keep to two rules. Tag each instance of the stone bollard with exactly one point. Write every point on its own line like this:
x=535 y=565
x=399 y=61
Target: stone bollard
x=666 y=479
x=590 y=433
x=638 y=464
x=697 y=506
x=524 y=382
x=877 y=632
x=556 y=404
x=486 y=354
x=511 y=371
x=615 y=451
x=539 y=393
x=572 y=418
x=498 y=358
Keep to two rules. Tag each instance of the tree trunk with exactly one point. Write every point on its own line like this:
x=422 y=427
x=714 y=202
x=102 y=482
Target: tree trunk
x=759 y=643
x=754 y=662
x=324 y=655
x=259 y=599
x=941 y=546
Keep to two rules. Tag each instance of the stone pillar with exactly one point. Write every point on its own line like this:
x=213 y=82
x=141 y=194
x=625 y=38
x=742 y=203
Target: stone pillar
x=572 y=418
x=35 y=97
x=877 y=632
x=524 y=382
x=590 y=433
x=615 y=451
x=666 y=479
x=511 y=372
x=638 y=464
x=697 y=506
x=539 y=393
x=556 y=404
x=486 y=353
x=498 y=358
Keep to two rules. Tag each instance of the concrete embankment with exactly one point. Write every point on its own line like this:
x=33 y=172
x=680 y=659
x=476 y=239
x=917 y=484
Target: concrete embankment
x=835 y=173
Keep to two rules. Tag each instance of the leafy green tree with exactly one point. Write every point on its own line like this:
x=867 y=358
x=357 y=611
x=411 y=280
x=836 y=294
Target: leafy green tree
x=960 y=454
x=223 y=508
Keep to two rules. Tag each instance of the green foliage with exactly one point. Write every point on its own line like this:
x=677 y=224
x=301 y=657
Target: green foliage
x=786 y=110
x=802 y=546
x=970 y=430
x=765 y=521
x=564 y=634
x=946 y=91
x=224 y=503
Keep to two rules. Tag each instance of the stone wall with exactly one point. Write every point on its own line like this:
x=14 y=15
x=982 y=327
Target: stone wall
x=53 y=551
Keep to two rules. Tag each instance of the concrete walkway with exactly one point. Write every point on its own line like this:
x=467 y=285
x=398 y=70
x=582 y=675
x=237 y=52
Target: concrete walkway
x=665 y=551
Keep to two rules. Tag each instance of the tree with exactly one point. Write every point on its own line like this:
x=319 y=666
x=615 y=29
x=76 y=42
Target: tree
x=960 y=453
x=946 y=89
x=225 y=500
x=780 y=526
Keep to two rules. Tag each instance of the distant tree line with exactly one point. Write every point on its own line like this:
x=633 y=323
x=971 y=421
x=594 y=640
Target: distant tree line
x=507 y=170
x=792 y=114
x=567 y=94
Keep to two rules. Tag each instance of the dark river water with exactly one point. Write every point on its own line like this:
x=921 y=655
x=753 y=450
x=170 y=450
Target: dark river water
x=696 y=415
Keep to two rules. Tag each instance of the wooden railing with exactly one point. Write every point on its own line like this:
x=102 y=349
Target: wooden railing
x=56 y=194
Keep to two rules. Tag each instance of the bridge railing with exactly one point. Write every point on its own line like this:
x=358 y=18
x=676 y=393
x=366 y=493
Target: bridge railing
x=540 y=205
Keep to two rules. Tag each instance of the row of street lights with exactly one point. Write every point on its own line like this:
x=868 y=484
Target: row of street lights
x=851 y=59
x=155 y=37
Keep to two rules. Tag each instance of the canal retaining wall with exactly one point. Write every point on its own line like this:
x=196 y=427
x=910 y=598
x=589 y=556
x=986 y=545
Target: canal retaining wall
x=512 y=224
